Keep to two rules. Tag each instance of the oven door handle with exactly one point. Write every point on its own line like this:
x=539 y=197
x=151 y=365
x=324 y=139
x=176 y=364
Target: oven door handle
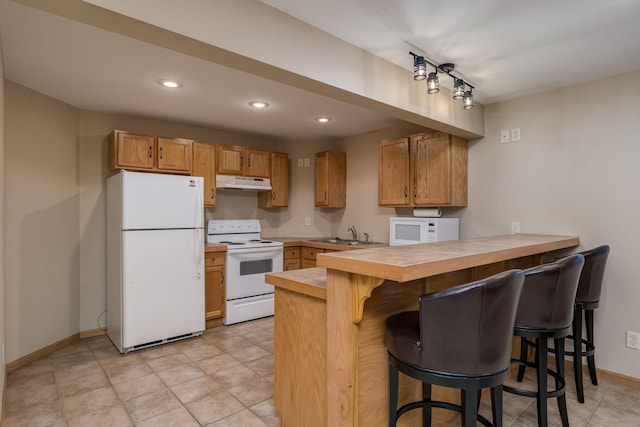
x=255 y=250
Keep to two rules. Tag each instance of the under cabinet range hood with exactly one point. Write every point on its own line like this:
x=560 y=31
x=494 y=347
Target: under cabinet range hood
x=232 y=182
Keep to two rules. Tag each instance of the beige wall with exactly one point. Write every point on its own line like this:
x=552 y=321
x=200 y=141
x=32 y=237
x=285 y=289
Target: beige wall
x=42 y=257
x=574 y=172
x=2 y=233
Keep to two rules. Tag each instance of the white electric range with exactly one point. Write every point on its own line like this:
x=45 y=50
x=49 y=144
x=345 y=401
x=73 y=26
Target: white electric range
x=248 y=259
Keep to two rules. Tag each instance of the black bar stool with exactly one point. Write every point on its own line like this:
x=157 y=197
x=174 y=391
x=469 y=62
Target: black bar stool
x=587 y=300
x=545 y=312
x=460 y=338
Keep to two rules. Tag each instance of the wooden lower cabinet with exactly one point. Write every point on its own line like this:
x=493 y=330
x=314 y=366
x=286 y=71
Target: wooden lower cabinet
x=291 y=258
x=214 y=287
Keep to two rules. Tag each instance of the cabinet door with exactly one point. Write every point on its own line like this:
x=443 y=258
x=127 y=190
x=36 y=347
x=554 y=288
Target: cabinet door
x=291 y=264
x=322 y=179
x=393 y=172
x=129 y=150
x=174 y=154
x=214 y=297
x=258 y=163
x=331 y=179
x=431 y=169
x=278 y=197
x=231 y=159
x=204 y=160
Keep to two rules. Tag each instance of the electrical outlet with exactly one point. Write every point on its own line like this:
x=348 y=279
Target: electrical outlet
x=306 y=163
x=504 y=135
x=633 y=340
x=307 y=220
x=515 y=227
x=300 y=162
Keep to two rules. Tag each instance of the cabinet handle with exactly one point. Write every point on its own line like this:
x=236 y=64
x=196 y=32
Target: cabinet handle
x=241 y=161
x=150 y=151
x=406 y=192
x=248 y=162
x=160 y=152
x=222 y=278
x=415 y=191
x=325 y=194
x=213 y=193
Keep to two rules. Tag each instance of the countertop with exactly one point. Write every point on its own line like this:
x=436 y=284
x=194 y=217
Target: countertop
x=405 y=263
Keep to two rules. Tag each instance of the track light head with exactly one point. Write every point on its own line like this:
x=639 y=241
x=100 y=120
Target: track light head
x=419 y=68
x=458 y=88
x=433 y=85
x=467 y=100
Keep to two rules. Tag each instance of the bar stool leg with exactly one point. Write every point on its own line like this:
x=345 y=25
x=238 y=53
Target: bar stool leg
x=426 y=411
x=523 y=358
x=562 y=399
x=541 y=365
x=393 y=395
x=591 y=359
x=496 y=405
x=577 y=351
x=470 y=407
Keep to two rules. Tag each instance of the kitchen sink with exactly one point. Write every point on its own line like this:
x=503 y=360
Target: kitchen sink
x=339 y=241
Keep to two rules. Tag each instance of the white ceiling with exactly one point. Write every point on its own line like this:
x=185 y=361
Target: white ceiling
x=506 y=48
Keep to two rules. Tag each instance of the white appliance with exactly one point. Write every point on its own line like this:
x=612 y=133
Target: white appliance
x=242 y=183
x=248 y=259
x=411 y=231
x=155 y=259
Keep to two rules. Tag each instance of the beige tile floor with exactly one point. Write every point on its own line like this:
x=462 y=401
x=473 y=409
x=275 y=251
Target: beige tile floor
x=222 y=379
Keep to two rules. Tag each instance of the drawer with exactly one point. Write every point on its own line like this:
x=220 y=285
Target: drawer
x=292 y=253
x=310 y=253
x=291 y=264
x=214 y=258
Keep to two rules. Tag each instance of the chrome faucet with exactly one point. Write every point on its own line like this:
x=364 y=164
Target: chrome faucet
x=353 y=231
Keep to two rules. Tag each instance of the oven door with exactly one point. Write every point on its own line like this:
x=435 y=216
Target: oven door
x=246 y=269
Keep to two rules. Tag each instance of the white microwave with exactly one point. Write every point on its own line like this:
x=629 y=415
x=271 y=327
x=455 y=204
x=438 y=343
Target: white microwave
x=411 y=230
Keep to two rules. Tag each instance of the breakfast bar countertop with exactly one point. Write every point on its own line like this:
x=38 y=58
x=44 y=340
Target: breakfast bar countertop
x=405 y=263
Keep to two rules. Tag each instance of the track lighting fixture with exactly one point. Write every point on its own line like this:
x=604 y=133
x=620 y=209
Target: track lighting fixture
x=461 y=89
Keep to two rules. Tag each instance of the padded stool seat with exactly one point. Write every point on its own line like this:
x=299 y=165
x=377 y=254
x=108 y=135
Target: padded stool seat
x=460 y=338
x=545 y=312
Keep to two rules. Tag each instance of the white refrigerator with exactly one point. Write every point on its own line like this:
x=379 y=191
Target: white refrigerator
x=155 y=259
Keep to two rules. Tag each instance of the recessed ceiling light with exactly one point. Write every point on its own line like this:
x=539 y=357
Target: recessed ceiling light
x=170 y=83
x=259 y=104
x=323 y=119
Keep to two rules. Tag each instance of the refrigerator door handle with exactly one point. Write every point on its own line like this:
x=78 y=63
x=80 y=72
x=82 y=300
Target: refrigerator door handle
x=199 y=249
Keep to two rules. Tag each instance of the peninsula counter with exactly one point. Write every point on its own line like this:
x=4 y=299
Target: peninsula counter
x=330 y=355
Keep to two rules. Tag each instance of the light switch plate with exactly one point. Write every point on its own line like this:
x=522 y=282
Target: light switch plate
x=515 y=134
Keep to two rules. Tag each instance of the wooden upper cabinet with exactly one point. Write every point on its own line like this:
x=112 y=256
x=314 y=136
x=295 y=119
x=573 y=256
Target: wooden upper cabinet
x=424 y=170
x=258 y=163
x=331 y=179
x=431 y=169
x=393 y=172
x=131 y=151
x=279 y=195
x=174 y=154
x=204 y=161
x=149 y=153
x=231 y=159
x=236 y=160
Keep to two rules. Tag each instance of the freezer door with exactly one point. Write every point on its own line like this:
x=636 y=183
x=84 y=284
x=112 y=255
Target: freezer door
x=162 y=285
x=157 y=201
